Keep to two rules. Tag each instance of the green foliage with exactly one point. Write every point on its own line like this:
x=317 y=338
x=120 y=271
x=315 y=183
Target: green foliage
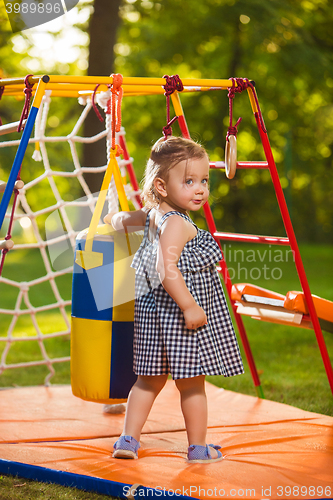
x=282 y=354
x=286 y=48
x=19 y=56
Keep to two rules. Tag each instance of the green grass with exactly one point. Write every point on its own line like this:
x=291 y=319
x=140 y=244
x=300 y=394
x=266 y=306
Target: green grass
x=25 y=266
x=287 y=358
x=14 y=488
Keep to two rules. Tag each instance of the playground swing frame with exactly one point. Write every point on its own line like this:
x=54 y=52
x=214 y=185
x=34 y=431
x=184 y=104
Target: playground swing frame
x=72 y=86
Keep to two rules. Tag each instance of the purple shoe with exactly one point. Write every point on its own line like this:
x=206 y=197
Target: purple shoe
x=201 y=454
x=126 y=447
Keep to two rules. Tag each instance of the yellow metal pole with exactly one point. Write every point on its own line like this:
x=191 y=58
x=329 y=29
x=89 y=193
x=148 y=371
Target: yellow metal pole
x=139 y=81
x=20 y=81
x=252 y=100
x=177 y=105
x=40 y=91
x=107 y=80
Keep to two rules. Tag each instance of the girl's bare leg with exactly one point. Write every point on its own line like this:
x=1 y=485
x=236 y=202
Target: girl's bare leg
x=140 y=401
x=194 y=407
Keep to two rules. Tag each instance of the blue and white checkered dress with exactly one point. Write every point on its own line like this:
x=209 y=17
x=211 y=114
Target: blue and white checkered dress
x=162 y=343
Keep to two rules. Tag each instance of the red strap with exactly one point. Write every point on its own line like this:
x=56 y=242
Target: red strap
x=98 y=114
x=4 y=251
x=28 y=94
x=1 y=92
x=242 y=84
x=115 y=112
x=172 y=83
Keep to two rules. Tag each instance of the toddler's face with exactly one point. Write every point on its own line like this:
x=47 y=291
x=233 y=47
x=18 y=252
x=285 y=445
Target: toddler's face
x=187 y=185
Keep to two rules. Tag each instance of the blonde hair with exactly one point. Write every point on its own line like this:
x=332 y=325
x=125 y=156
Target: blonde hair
x=165 y=155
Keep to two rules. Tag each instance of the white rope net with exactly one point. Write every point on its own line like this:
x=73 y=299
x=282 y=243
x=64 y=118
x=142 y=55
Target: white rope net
x=64 y=219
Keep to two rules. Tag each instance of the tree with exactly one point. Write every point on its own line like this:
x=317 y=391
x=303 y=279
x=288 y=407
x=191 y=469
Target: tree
x=103 y=27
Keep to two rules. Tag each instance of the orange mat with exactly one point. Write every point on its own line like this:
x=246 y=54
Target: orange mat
x=271 y=450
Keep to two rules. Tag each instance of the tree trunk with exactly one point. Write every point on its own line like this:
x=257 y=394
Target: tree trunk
x=103 y=33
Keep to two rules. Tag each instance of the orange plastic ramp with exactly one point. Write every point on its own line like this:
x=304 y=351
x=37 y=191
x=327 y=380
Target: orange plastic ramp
x=271 y=450
x=286 y=310
x=293 y=301
x=239 y=289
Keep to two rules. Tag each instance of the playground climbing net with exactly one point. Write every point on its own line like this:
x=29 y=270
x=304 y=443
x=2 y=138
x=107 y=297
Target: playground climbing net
x=35 y=308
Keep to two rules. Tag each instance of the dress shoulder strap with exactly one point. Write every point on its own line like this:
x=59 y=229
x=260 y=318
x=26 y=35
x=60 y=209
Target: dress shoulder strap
x=145 y=234
x=168 y=214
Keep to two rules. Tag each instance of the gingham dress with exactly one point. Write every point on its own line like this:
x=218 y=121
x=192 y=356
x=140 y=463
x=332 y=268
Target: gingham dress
x=162 y=343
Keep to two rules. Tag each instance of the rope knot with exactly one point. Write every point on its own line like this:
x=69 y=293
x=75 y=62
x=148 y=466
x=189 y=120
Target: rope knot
x=172 y=83
x=233 y=130
x=243 y=84
x=117 y=82
x=116 y=151
x=28 y=93
x=28 y=85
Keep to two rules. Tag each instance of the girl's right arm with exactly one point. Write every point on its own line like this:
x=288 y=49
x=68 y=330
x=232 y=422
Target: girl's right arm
x=127 y=221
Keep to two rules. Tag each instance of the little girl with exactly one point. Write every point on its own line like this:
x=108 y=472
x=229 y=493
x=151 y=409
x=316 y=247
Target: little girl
x=182 y=324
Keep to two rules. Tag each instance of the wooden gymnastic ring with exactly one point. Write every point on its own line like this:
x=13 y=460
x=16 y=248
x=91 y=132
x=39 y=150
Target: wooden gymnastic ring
x=230 y=159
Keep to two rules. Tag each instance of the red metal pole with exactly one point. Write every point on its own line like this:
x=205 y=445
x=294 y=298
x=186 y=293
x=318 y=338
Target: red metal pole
x=251 y=238
x=294 y=246
x=130 y=168
x=183 y=127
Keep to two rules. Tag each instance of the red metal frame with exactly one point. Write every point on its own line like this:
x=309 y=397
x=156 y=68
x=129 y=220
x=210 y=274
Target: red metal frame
x=294 y=246
x=290 y=240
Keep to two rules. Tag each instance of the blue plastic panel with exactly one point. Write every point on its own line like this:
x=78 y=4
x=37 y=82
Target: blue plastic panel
x=92 y=295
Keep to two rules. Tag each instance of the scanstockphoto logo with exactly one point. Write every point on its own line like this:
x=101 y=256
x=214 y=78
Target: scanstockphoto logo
x=25 y=14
